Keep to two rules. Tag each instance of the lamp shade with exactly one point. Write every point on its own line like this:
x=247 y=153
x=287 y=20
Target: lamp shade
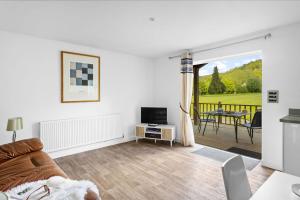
x=14 y=124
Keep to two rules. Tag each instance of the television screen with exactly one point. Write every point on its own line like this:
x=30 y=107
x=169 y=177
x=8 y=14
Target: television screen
x=150 y=115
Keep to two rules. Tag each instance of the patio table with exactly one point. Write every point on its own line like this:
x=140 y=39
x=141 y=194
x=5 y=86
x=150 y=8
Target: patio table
x=235 y=115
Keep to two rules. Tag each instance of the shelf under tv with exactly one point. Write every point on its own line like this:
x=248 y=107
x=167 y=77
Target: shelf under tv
x=162 y=132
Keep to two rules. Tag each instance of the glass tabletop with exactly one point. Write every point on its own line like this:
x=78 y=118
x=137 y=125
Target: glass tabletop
x=226 y=113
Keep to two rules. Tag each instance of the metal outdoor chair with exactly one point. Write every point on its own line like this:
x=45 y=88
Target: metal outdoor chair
x=204 y=120
x=254 y=124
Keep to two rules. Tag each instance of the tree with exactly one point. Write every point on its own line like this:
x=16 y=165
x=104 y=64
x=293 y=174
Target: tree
x=241 y=88
x=216 y=85
x=229 y=85
x=203 y=87
x=253 y=85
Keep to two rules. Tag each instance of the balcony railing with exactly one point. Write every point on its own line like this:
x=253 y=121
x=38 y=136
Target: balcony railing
x=206 y=107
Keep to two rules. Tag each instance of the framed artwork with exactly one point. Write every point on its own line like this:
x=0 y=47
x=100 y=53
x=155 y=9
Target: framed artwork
x=80 y=77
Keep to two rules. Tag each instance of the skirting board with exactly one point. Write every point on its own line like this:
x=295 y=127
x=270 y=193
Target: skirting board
x=178 y=140
x=75 y=150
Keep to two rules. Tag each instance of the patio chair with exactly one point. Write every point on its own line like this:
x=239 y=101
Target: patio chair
x=204 y=120
x=254 y=124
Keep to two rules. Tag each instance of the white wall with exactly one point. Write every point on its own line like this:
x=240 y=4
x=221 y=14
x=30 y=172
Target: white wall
x=30 y=84
x=281 y=71
x=167 y=89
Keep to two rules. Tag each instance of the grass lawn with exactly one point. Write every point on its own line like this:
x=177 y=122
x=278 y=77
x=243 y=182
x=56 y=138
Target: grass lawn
x=246 y=98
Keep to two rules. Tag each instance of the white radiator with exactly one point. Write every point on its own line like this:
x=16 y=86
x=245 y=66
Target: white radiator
x=69 y=133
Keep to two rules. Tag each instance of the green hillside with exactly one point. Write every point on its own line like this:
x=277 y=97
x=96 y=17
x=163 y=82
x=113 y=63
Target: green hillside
x=236 y=80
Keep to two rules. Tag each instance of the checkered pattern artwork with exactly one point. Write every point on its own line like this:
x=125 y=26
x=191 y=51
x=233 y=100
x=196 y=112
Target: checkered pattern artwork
x=81 y=74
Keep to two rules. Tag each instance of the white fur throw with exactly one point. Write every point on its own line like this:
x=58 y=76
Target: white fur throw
x=60 y=189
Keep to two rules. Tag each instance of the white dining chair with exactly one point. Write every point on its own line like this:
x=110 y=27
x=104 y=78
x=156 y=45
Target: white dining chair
x=235 y=178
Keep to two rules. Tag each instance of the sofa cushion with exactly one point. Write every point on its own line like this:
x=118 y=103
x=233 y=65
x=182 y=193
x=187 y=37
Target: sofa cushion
x=13 y=150
x=27 y=168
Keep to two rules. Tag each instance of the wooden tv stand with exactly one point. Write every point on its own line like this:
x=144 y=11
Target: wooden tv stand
x=159 y=132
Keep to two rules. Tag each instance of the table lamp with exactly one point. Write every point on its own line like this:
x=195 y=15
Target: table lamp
x=14 y=124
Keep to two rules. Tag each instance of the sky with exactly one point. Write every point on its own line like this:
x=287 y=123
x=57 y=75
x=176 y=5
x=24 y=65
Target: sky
x=227 y=64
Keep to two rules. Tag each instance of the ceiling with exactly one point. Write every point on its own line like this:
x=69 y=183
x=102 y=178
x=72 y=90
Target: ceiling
x=125 y=26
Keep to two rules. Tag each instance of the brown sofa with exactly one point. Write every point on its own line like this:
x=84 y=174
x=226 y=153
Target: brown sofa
x=24 y=161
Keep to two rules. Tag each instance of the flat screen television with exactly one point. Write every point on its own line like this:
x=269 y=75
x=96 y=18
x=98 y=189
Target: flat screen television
x=151 y=115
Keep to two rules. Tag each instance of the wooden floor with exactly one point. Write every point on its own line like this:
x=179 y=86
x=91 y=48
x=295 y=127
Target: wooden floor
x=145 y=170
x=226 y=138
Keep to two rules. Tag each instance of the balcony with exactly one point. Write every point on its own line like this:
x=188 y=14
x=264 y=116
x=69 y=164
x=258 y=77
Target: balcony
x=225 y=138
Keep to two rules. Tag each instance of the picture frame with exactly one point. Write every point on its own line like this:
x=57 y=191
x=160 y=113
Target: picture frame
x=80 y=77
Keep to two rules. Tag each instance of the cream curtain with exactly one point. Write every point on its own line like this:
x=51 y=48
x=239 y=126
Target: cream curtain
x=187 y=131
